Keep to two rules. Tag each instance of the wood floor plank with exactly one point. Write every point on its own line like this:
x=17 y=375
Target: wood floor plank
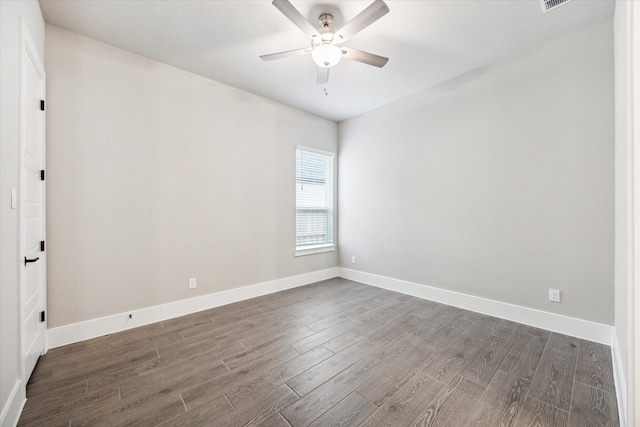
x=328 y=334
x=396 y=334
x=448 y=363
x=270 y=415
x=105 y=362
x=376 y=331
x=592 y=407
x=174 y=378
x=312 y=378
x=189 y=350
x=406 y=403
x=451 y=404
x=311 y=406
x=445 y=334
x=524 y=356
x=263 y=325
x=105 y=370
x=208 y=389
x=508 y=330
x=275 y=419
x=369 y=328
x=501 y=402
x=254 y=412
x=78 y=353
x=233 y=365
x=536 y=413
x=150 y=409
x=135 y=343
x=532 y=330
x=594 y=366
x=351 y=411
x=253 y=387
x=38 y=413
x=486 y=360
x=45 y=391
x=382 y=311
x=290 y=333
x=562 y=342
x=388 y=379
x=327 y=322
x=438 y=315
x=204 y=415
x=483 y=327
x=553 y=380
x=268 y=349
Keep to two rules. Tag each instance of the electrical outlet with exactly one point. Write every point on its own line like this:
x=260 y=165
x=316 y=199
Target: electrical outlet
x=554 y=295
x=192 y=283
x=353 y=259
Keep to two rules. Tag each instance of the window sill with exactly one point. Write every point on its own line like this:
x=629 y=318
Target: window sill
x=315 y=250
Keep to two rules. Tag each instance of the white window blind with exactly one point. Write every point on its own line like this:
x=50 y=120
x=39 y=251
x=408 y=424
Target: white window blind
x=314 y=199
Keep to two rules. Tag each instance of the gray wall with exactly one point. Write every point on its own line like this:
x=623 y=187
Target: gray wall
x=497 y=184
x=157 y=175
x=10 y=14
x=622 y=93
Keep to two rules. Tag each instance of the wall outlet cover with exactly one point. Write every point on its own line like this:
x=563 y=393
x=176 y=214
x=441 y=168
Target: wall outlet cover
x=554 y=295
x=192 y=283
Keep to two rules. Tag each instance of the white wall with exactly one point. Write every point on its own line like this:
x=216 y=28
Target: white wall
x=11 y=13
x=156 y=175
x=497 y=184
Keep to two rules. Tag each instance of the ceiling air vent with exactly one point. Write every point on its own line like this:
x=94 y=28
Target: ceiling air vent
x=547 y=5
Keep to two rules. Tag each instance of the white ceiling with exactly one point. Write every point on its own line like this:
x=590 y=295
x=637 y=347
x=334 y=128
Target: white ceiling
x=427 y=42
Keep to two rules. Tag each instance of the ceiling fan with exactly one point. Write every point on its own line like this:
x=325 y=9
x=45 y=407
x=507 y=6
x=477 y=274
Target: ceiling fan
x=326 y=42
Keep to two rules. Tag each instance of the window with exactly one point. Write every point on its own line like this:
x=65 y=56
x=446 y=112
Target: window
x=314 y=201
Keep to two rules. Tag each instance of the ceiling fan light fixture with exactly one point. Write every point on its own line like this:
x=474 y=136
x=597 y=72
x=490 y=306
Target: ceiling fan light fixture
x=326 y=55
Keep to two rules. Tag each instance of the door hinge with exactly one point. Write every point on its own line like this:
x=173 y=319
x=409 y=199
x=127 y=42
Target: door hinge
x=42 y=105
x=41 y=245
x=42 y=175
x=42 y=316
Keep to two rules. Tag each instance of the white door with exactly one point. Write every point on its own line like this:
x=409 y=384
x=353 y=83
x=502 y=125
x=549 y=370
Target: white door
x=32 y=205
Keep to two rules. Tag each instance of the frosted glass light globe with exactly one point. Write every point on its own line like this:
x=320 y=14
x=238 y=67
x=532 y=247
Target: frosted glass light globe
x=326 y=55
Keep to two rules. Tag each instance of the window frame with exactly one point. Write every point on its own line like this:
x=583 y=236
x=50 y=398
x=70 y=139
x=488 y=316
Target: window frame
x=323 y=247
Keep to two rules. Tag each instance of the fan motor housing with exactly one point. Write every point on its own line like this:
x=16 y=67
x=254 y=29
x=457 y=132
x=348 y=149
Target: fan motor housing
x=326 y=19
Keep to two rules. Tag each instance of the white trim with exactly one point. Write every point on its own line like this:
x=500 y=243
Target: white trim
x=317 y=249
x=75 y=332
x=13 y=408
x=541 y=319
x=619 y=378
x=633 y=227
x=315 y=151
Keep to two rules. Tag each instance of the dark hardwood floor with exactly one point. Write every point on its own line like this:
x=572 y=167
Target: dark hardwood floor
x=334 y=353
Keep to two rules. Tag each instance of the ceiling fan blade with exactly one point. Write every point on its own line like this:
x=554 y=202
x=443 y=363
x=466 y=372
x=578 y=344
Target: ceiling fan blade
x=286 y=54
x=364 y=57
x=296 y=17
x=371 y=14
x=323 y=75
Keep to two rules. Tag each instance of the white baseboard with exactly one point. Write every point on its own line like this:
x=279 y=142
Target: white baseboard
x=93 y=328
x=76 y=332
x=13 y=407
x=584 y=329
x=619 y=378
